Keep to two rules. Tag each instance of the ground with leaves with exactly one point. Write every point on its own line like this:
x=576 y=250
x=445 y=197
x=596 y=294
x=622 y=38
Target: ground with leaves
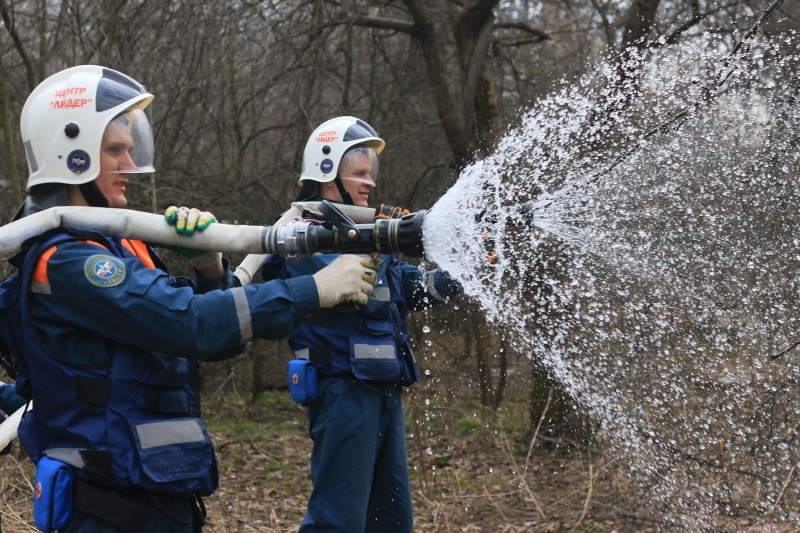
x=472 y=471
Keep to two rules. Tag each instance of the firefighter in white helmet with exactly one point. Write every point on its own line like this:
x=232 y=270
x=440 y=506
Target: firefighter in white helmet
x=108 y=338
x=333 y=146
x=361 y=355
x=63 y=124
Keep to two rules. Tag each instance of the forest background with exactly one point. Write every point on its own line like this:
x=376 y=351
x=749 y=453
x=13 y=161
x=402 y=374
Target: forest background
x=495 y=443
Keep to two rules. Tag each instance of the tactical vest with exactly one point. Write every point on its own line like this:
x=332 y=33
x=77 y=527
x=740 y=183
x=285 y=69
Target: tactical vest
x=134 y=424
x=371 y=341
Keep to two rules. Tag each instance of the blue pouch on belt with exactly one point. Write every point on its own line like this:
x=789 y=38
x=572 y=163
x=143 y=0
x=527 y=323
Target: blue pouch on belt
x=302 y=380
x=52 y=494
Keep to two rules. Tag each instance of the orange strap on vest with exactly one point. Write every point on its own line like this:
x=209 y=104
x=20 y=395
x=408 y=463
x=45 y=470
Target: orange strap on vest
x=137 y=248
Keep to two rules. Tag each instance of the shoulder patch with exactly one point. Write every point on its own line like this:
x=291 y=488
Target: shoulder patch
x=104 y=270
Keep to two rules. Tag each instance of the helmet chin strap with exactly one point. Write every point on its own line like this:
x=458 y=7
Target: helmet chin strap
x=92 y=195
x=346 y=198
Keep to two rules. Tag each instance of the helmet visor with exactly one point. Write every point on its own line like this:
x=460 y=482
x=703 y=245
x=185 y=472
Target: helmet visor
x=359 y=130
x=131 y=131
x=360 y=164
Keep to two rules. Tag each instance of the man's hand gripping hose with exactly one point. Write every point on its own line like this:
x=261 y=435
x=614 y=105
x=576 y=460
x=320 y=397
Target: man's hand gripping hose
x=186 y=222
x=349 y=279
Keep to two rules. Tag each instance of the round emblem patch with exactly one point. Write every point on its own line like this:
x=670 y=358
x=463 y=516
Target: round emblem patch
x=295 y=379
x=326 y=166
x=104 y=270
x=78 y=161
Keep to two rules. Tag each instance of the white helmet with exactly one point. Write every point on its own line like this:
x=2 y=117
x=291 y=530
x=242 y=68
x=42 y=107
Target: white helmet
x=329 y=142
x=64 y=119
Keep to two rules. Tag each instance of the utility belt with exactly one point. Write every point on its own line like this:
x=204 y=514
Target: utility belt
x=371 y=348
x=367 y=359
x=57 y=492
x=132 y=511
x=376 y=366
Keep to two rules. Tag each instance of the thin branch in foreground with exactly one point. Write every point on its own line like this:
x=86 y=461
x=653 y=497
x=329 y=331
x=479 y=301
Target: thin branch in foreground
x=522 y=479
x=588 y=499
x=497 y=508
x=538 y=426
x=783 y=488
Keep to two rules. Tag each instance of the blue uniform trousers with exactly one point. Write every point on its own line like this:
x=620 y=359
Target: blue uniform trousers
x=359 y=466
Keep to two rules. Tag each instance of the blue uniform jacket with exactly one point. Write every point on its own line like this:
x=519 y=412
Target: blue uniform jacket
x=107 y=357
x=371 y=341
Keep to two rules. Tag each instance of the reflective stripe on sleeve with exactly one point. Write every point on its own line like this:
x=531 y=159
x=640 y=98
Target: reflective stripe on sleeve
x=374 y=351
x=243 y=314
x=430 y=286
x=169 y=432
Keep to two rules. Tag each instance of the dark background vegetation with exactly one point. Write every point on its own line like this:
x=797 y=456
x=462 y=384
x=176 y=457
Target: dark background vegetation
x=239 y=86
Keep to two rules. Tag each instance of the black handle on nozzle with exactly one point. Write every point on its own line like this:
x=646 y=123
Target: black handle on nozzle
x=391 y=235
x=339 y=220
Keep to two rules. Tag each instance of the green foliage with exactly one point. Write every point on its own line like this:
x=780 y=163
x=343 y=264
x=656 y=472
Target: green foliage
x=467 y=425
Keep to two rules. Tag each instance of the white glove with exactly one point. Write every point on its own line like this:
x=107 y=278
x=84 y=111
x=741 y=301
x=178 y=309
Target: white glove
x=349 y=279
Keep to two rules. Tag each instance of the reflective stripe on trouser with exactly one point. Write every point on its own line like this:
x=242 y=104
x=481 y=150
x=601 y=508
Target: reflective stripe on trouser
x=359 y=465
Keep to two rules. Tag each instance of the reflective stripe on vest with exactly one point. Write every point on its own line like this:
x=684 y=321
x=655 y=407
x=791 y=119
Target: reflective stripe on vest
x=374 y=351
x=381 y=294
x=169 y=432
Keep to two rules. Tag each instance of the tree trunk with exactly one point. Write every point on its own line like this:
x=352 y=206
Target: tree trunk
x=8 y=141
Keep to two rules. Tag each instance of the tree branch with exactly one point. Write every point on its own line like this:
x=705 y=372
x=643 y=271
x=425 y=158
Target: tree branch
x=538 y=34
x=8 y=23
x=386 y=24
x=695 y=19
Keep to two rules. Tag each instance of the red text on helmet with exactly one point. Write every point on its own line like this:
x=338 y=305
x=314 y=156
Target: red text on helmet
x=70 y=103
x=326 y=136
x=70 y=90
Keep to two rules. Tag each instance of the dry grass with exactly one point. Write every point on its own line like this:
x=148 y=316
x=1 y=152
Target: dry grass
x=472 y=471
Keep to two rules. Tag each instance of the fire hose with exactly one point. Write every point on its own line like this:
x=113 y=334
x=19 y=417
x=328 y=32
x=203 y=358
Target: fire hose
x=339 y=233
x=8 y=429
x=291 y=238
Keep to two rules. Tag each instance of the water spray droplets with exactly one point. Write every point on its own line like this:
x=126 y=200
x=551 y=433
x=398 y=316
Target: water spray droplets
x=653 y=291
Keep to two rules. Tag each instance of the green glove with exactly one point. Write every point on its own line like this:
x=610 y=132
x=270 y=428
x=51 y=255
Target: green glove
x=187 y=221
